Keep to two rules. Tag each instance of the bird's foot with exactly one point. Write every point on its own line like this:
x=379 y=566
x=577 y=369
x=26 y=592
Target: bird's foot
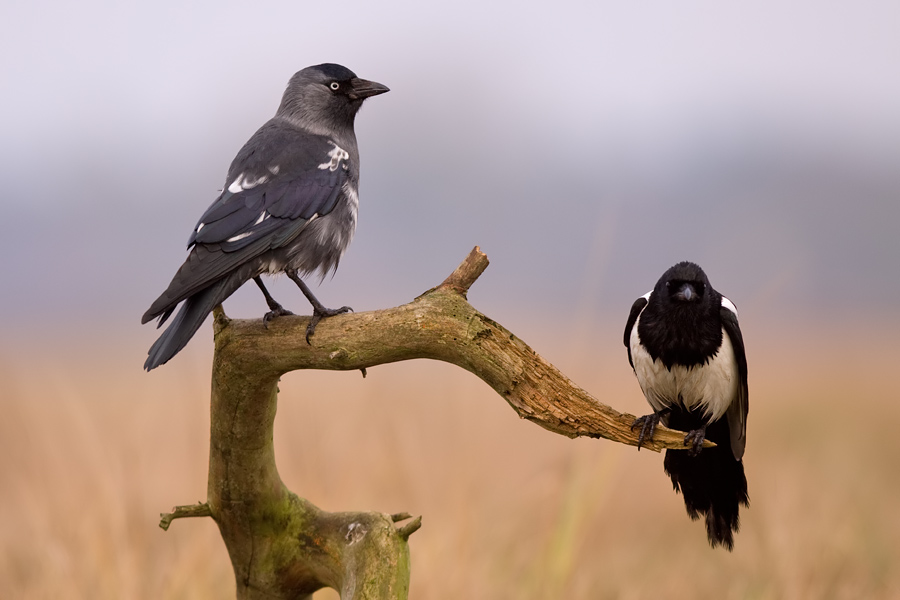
x=319 y=313
x=694 y=439
x=277 y=311
x=648 y=425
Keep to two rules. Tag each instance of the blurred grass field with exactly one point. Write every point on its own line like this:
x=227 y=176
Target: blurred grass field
x=92 y=450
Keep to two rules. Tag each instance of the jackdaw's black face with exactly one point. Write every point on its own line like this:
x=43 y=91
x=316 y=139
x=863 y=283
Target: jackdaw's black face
x=327 y=93
x=355 y=88
x=342 y=82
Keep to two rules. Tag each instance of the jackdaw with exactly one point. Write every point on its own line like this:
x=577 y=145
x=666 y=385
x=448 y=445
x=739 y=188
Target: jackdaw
x=289 y=205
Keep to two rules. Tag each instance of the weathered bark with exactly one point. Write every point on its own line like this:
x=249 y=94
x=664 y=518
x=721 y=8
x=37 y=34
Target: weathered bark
x=281 y=546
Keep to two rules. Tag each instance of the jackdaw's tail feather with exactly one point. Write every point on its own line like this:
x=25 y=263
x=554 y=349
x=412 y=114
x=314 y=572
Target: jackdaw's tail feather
x=190 y=317
x=713 y=485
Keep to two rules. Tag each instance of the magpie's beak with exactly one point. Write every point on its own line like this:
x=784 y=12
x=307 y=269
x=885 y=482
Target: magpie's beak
x=686 y=293
x=361 y=89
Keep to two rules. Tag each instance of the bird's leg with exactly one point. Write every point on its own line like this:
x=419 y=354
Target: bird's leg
x=275 y=309
x=319 y=311
x=694 y=438
x=648 y=425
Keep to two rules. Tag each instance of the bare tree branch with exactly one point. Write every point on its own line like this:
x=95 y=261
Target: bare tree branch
x=410 y=528
x=201 y=509
x=441 y=325
x=281 y=546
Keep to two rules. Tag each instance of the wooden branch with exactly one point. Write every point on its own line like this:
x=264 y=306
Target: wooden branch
x=201 y=509
x=280 y=545
x=467 y=272
x=410 y=528
x=441 y=325
x=397 y=517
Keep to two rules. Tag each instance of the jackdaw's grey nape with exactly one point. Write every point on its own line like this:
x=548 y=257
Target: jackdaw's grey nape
x=289 y=205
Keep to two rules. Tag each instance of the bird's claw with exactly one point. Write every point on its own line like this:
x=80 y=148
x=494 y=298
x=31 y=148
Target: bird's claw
x=277 y=311
x=648 y=425
x=694 y=439
x=319 y=314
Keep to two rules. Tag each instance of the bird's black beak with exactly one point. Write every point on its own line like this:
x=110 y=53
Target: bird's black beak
x=361 y=89
x=686 y=293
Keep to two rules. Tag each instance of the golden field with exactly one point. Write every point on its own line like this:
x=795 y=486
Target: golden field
x=92 y=449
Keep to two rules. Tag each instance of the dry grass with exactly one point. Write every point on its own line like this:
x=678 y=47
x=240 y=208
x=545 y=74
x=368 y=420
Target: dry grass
x=92 y=449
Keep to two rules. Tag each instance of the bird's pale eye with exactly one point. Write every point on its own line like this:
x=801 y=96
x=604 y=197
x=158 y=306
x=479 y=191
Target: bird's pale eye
x=335 y=85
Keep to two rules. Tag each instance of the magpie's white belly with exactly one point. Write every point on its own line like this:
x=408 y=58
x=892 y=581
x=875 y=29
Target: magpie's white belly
x=710 y=387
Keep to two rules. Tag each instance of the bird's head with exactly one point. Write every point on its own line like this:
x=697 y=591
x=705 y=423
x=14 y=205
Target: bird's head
x=324 y=98
x=685 y=284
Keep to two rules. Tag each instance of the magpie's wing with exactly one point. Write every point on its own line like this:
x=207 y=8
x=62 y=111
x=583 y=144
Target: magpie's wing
x=279 y=182
x=636 y=309
x=737 y=412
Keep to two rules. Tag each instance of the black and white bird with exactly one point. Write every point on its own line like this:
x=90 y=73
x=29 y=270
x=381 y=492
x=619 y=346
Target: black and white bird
x=289 y=205
x=686 y=348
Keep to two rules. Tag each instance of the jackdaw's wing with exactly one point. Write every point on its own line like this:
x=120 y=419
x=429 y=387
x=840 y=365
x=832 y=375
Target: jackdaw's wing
x=281 y=175
x=737 y=412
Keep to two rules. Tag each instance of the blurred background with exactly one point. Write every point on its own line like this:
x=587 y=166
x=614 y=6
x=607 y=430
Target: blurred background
x=586 y=147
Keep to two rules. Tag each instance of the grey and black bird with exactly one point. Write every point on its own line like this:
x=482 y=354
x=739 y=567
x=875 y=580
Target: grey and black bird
x=289 y=205
x=686 y=348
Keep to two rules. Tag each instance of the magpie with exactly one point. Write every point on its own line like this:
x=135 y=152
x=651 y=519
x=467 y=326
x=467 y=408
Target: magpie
x=289 y=205
x=686 y=348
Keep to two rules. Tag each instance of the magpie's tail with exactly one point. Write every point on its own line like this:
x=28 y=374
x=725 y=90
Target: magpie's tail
x=190 y=317
x=713 y=485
